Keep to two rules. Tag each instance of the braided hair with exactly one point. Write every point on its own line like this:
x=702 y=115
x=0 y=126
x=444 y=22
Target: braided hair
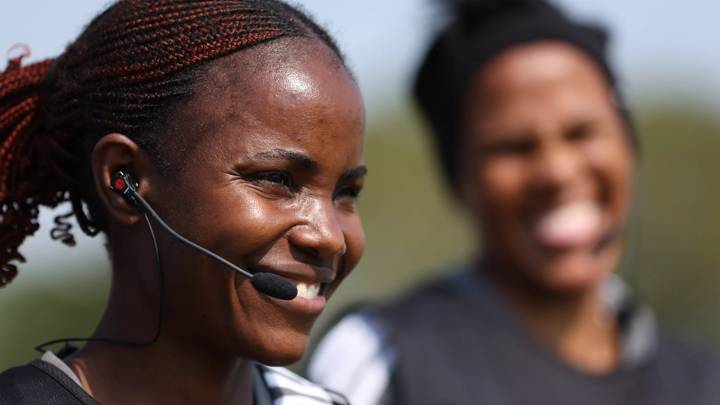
x=479 y=30
x=126 y=73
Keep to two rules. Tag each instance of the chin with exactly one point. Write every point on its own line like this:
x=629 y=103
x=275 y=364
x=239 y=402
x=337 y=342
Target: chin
x=573 y=273
x=570 y=282
x=280 y=359
x=283 y=348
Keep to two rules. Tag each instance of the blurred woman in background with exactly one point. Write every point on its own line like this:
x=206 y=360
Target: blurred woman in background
x=240 y=124
x=538 y=148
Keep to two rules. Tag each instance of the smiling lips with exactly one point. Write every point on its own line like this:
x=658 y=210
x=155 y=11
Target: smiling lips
x=312 y=285
x=310 y=300
x=311 y=281
x=571 y=225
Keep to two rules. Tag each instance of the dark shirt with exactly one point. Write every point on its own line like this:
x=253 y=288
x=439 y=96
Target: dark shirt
x=40 y=383
x=456 y=341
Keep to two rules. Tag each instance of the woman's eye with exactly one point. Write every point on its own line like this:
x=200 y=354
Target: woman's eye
x=581 y=132
x=273 y=179
x=351 y=192
x=521 y=146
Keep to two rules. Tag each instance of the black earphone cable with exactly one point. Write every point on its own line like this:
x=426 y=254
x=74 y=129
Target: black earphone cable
x=148 y=209
x=266 y=283
x=42 y=347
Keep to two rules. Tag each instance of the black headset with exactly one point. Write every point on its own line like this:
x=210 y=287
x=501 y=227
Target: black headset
x=123 y=183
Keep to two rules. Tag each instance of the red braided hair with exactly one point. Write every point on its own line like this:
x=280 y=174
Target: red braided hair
x=125 y=73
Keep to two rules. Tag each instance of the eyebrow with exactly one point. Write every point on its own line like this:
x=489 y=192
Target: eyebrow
x=297 y=158
x=359 y=171
x=303 y=160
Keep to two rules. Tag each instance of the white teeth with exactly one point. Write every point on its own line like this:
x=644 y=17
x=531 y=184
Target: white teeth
x=570 y=225
x=308 y=291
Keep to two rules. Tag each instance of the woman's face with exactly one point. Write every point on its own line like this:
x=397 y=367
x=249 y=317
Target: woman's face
x=546 y=167
x=270 y=182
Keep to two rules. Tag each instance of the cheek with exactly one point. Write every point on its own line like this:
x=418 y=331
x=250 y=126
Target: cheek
x=354 y=236
x=497 y=187
x=242 y=222
x=354 y=241
x=235 y=225
x=614 y=161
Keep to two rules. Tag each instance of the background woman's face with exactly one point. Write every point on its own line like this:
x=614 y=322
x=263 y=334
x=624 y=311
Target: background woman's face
x=270 y=182
x=547 y=168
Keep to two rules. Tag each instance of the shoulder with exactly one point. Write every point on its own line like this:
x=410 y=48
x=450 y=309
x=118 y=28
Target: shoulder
x=694 y=359
x=688 y=366
x=355 y=358
x=287 y=387
x=441 y=299
x=39 y=383
x=360 y=343
x=16 y=383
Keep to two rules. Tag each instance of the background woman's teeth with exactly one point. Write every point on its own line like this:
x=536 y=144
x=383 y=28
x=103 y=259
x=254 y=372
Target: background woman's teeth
x=570 y=225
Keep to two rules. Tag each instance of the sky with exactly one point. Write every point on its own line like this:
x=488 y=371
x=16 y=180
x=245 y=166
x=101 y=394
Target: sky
x=663 y=50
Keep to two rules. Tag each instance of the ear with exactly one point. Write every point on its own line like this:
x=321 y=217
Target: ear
x=114 y=152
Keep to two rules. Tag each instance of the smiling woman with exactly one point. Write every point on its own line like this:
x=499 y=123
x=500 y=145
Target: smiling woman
x=239 y=124
x=539 y=150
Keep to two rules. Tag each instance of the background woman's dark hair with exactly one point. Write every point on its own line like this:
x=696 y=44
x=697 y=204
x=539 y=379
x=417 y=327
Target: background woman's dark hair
x=126 y=73
x=479 y=30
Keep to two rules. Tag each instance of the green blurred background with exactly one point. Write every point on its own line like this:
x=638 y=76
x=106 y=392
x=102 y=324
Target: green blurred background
x=414 y=230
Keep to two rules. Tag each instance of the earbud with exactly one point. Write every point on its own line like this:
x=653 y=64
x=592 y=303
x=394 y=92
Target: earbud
x=126 y=186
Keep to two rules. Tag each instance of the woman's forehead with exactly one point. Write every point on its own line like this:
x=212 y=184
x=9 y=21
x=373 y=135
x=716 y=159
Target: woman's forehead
x=523 y=67
x=297 y=99
x=272 y=75
x=538 y=75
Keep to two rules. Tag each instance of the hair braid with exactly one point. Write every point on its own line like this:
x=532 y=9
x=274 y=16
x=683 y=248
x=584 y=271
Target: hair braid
x=22 y=188
x=126 y=73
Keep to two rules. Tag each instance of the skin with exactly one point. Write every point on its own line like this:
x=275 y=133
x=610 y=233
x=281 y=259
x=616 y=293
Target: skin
x=541 y=132
x=270 y=184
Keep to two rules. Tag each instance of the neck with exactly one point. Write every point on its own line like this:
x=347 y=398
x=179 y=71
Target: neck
x=577 y=327
x=162 y=373
x=176 y=369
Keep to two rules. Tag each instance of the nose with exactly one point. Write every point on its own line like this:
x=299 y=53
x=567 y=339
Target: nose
x=556 y=167
x=320 y=234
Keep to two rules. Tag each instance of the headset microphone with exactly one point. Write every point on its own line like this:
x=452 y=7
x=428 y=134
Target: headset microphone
x=267 y=283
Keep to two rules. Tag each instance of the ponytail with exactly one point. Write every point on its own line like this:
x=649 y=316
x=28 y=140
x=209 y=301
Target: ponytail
x=26 y=178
